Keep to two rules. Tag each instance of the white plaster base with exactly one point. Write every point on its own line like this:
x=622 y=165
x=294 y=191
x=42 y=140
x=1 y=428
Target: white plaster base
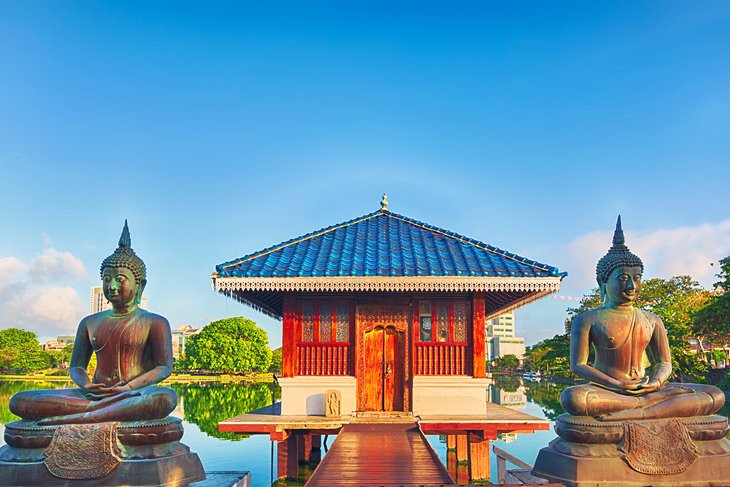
x=305 y=395
x=458 y=395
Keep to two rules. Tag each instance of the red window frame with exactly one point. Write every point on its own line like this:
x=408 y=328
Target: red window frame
x=435 y=324
x=316 y=332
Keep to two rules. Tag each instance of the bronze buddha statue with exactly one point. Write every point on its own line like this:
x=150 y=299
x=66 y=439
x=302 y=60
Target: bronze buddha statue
x=628 y=426
x=133 y=349
x=114 y=429
x=620 y=335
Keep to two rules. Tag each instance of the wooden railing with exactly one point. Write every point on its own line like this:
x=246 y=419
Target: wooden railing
x=324 y=358
x=523 y=475
x=441 y=359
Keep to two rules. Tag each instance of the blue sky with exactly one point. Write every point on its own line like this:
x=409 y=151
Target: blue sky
x=220 y=128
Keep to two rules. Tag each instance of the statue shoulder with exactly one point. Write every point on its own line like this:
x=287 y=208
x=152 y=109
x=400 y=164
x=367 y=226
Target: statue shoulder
x=154 y=319
x=587 y=317
x=93 y=318
x=651 y=317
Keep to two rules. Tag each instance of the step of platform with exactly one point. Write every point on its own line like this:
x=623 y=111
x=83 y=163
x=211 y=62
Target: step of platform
x=387 y=417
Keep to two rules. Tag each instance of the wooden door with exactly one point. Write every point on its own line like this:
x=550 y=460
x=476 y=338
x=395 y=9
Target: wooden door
x=382 y=387
x=381 y=368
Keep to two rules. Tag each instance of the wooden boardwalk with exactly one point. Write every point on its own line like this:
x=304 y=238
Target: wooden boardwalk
x=382 y=455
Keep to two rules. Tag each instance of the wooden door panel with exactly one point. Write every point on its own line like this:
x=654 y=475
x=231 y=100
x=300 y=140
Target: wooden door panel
x=393 y=374
x=372 y=391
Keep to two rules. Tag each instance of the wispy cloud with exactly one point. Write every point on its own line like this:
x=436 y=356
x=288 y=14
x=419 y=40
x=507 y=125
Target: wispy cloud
x=55 y=266
x=35 y=295
x=666 y=252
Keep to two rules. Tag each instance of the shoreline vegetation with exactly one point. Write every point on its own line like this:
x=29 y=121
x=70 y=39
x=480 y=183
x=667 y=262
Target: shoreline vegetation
x=174 y=378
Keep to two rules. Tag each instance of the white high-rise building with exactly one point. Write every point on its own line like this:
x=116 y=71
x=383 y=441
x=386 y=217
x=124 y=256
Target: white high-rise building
x=99 y=303
x=501 y=339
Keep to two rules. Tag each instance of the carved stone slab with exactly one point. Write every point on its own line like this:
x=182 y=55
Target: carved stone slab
x=332 y=405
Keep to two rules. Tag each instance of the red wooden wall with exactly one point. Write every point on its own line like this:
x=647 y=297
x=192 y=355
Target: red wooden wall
x=427 y=358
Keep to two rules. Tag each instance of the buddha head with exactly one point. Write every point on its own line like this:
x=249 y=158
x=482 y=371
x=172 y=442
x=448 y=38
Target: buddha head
x=619 y=271
x=123 y=273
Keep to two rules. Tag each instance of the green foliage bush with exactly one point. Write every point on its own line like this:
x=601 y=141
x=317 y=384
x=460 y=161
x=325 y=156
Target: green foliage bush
x=725 y=383
x=20 y=352
x=230 y=345
x=275 y=366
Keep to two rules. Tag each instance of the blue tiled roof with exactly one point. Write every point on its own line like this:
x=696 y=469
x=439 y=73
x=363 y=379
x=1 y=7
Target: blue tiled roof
x=383 y=244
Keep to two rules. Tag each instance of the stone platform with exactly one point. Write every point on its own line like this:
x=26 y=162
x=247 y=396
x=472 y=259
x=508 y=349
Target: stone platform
x=660 y=453
x=103 y=454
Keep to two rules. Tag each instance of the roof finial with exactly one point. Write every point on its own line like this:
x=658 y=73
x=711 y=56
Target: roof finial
x=618 y=234
x=384 y=202
x=125 y=240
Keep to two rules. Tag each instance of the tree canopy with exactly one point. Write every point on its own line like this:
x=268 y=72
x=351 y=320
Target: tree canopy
x=20 y=352
x=506 y=362
x=714 y=318
x=230 y=345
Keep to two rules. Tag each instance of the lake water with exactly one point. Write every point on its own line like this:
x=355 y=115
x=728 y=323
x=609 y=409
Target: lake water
x=203 y=405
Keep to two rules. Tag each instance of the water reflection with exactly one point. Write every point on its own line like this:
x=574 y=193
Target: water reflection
x=8 y=388
x=205 y=404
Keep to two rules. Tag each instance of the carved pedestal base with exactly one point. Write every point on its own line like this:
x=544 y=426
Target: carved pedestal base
x=105 y=454
x=672 y=452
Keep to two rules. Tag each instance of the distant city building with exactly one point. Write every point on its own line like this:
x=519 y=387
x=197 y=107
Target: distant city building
x=501 y=339
x=179 y=335
x=99 y=303
x=59 y=343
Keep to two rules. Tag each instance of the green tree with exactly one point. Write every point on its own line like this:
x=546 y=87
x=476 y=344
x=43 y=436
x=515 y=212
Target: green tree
x=550 y=357
x=230 y=345
x=714 y=318
x=60 y=358
x=275 y=366
x=506 y=362
x=20 y=352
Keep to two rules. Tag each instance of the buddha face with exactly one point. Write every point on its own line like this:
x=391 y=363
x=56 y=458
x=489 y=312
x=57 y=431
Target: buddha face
x=120 y=286
x=623 y=285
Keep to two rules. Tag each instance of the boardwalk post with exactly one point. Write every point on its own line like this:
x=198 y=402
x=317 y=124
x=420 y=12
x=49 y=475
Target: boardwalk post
x=287 y=460
x=451 y=455
x=281 y=456
x=292 y=460
x=304 y=445
x=462 y=459
x=478 y=458
x=315 y=454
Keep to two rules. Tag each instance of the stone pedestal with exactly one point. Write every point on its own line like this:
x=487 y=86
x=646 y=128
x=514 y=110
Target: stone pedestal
x=106 y=454
x=672 y=452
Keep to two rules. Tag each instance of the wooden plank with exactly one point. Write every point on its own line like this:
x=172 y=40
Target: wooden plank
x=526 y=477
x=380 y=454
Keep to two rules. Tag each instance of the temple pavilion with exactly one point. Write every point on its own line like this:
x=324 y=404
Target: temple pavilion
x=385 y=309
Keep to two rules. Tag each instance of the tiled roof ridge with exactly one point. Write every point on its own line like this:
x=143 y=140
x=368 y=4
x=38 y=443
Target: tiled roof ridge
x=471 y=241
x=296 y=240
x=385 y=212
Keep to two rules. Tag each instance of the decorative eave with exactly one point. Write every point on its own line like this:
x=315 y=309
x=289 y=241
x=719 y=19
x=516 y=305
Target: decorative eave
x=263 y=293
x=386 y=284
